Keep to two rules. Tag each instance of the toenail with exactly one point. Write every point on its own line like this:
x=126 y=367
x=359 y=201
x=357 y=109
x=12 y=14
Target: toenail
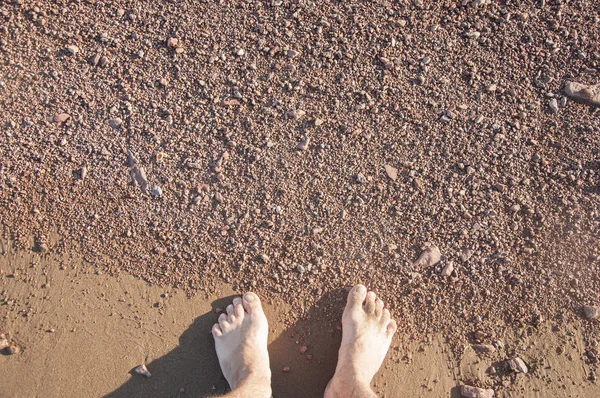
x=360 y=289
x=249 y=297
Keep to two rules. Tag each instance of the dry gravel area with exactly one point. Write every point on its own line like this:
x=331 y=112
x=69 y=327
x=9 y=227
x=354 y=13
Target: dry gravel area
x=430 y=150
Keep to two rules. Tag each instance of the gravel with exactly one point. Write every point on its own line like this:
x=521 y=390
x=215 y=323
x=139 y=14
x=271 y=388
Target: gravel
x=327 y=71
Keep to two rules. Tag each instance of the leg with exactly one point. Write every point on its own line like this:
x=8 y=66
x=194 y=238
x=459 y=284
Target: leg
x=241 y=344
x=367 y=331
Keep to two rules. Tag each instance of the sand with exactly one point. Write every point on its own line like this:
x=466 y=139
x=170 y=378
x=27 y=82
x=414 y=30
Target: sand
x=82 y=333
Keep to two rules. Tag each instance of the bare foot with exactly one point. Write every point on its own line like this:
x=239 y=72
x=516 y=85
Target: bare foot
x=367 y=331
x=241 y=344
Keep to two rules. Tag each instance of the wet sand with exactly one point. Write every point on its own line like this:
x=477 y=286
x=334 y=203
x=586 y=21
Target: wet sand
x=82 y=333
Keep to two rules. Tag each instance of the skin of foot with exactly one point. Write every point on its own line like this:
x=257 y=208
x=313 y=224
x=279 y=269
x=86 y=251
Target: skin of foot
x=367 y=330
x=241 y=345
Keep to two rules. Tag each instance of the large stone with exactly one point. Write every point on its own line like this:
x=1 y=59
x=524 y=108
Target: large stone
x=430 y=256
x=392 y=172
x=475 y=392
x=517 y=365
x=582 y=92
x=590 y=312
x=484 y=348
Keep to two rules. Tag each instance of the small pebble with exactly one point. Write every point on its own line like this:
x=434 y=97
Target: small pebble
x=61 y=117
x=72 y=49
x=517 y=365
x=115 y=122
x=447 y=270
x=172 y=42
x=553 y=104
x=156 y=190
x=303 y=145
x=391 y=172
x=142 y=370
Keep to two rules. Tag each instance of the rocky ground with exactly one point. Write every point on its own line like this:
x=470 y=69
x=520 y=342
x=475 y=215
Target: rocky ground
x=296 y=147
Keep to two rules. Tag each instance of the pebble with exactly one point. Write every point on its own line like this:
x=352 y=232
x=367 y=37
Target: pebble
x=553 y=104
x=391 y=172
x=72 y=50
x=156 y=190
x=319 y=122
x=492 y=88
x=484 y=348
x=302 y=349
x=292 y=53
x=582 y=92
x=360 y=177
x=473 y=35
x=172 y=42
x=303 y=145
x=240 y=52
x=590 y=312
x=95 y=59
x=387 y=64
x=3 y=344
x=499 y=187
x=475 y=392
x=418 y=183
x=517 y=365
x=465 y=255
x=103 y=61
x=429 y=257
x=296 y=114
x=115 y=122
x=61 y=117
x=142 y=370
x=448 y=269
x=139 y=176
x=286 y=369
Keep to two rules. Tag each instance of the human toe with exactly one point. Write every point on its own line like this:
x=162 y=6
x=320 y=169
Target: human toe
x=224 y=323
x=251 y=303
x=391 y=328
x=238 y=308
x=378 y=307
x=385 y=317
x=216 y=331
x=356 y=296
x=369 y=304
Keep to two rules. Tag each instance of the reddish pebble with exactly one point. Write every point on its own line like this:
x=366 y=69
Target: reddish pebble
x=302 y=349
x=182 y=390
x=286 y=369
x=309 y=356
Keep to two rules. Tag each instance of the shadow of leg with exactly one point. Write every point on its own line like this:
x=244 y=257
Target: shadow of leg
x=191 y=369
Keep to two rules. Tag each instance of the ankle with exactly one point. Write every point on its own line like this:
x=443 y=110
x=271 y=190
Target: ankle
x=257 y=380
x=348 y=386
x=259 y=387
